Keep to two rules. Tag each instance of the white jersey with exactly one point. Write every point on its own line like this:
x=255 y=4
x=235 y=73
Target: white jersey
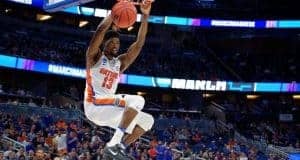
x=102 y=78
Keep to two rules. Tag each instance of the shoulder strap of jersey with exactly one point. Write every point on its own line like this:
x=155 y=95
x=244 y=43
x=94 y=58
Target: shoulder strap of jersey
x=101 y=60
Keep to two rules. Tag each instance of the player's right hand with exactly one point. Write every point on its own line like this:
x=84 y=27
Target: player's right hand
x=146 y=6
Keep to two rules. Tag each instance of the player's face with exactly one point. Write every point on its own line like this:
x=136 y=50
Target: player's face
x=113 y=46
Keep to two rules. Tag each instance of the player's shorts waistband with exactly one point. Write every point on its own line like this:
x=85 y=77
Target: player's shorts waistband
x=109 y=101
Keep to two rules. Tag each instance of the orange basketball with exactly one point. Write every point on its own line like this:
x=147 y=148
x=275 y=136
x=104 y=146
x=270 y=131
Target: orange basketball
x=124 y=14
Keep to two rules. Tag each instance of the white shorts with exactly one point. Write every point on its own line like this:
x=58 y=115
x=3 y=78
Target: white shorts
x=111 y=115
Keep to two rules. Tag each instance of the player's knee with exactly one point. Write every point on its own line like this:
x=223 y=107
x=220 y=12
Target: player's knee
x=135 y=101
x=145 y=121
x=140 y=101
x=151 y=121
x=148 y=121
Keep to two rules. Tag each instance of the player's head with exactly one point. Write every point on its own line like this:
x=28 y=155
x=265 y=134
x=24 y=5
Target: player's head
x=111 y=42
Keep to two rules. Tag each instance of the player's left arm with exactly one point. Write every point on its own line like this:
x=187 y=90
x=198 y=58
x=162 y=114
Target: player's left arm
x=134 y=50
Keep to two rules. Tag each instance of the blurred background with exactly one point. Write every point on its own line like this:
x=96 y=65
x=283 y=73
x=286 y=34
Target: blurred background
x=219 y=76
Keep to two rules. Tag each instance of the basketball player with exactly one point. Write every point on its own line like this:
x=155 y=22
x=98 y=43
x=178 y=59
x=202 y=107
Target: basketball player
x=101 y=104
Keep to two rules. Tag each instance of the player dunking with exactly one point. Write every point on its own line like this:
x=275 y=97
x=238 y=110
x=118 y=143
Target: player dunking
x=101 y=104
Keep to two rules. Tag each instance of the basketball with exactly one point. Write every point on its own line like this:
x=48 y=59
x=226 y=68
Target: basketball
x=124 y=14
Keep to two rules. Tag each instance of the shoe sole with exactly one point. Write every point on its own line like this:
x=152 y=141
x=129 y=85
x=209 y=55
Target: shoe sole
x=108 y=156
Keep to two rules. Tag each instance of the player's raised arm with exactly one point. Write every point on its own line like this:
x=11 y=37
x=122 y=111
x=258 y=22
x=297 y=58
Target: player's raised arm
x=134 y=50
x=93 y=49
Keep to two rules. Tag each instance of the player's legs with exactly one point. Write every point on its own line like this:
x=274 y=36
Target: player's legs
x=112 y=116
x=134 y=104
x=107 y=115
x=144 y=122
x=140 y=124
x=129 y=119
x=136 y=134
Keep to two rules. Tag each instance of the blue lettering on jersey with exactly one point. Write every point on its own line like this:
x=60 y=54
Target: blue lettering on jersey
x=104 y=61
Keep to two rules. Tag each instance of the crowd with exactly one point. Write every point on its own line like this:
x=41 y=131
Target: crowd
x=259 y=56
x=268 y=120
x=46 y=138
x=41 y=46
x=196 y=144
x=177 y=103
x=49 y=138
x=260 y=66
x=256 y=119
x=22 y=96
x=175 y=61
x=42 y=135
x=186 y=141
x=168 y=52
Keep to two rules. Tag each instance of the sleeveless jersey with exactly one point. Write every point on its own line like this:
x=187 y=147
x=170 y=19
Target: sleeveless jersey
x=102 y=78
